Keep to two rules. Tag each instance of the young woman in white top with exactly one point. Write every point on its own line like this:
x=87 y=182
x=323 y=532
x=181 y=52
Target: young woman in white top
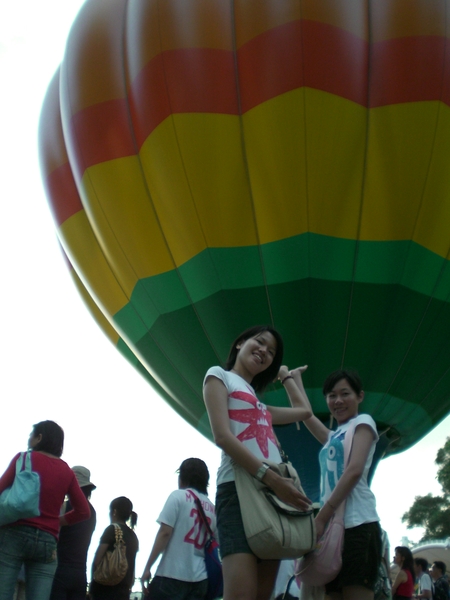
x=362 y=543
x=242 y=427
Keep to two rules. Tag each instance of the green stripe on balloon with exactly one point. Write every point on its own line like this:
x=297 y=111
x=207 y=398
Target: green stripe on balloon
x=302 y=257
x=379 y=314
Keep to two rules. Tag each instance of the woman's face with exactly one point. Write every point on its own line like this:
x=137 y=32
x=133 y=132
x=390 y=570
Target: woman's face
x=398 y=558
x=34 y=440
x=256 y=354
x=343 y=402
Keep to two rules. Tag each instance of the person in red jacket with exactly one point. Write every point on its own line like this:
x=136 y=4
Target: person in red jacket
x=32 y=542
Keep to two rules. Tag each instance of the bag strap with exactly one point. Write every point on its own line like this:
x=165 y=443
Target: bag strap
x=202 y=513
x=19 y=463
x=283 y=455
x=23 y=462
x=118 y=533
x=288 y=587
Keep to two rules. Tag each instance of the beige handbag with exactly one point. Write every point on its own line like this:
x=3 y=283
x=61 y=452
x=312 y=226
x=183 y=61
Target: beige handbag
x=274 y=529
x=114 y=565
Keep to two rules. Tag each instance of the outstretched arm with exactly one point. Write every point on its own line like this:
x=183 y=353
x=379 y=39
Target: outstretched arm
x=300 y=406
x=315 y=425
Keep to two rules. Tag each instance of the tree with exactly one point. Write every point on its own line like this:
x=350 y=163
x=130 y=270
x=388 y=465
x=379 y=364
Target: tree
x=433 y=512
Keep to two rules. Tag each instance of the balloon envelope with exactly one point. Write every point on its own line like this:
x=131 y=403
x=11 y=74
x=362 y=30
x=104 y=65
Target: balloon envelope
x=212 y=165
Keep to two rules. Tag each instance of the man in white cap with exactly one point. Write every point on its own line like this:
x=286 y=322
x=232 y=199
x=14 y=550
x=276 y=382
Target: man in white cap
x=70 y=580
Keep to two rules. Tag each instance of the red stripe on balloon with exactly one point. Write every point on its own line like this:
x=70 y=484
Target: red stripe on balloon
x=301 y=53
x=62 y=193
x=101 y=132
x=411 y=69
x=196 y=80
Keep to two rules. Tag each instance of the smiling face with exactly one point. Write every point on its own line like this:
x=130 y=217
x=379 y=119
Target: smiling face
x=255 y=355
x=343 y=402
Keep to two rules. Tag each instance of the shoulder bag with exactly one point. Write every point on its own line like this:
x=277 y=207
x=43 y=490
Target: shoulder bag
x=274 y=530
x=212 y=557
x=21 y=500
x=323 y=564
x=114 y=565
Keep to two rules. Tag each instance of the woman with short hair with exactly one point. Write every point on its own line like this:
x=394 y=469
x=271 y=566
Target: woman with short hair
x=181 y=573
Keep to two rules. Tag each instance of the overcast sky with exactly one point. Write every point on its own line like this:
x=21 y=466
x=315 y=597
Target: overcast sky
x=57 y=364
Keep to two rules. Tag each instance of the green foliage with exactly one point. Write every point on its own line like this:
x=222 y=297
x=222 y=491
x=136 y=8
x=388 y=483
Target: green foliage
x=443 y=462
x=433 y=512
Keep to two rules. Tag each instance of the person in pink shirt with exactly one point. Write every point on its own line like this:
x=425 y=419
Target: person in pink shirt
x=32 y=542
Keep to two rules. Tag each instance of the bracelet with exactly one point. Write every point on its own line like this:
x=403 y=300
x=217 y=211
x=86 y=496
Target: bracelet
x=286 y=378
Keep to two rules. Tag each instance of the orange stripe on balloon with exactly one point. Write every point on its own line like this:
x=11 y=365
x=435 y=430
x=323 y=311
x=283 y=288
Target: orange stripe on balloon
x=62 y=193
x=410 y=70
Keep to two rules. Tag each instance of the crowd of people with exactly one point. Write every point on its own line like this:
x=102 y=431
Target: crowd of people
x=415 y=580
x=52 y=547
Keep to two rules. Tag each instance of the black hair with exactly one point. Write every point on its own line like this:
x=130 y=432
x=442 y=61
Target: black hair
x=124 y=509
x=52 y=437
x=87 y=490
x=422 y=562
x=408 y=561
x=194 y=473
x=262 y=380
x=440 y=565
x=352 y=377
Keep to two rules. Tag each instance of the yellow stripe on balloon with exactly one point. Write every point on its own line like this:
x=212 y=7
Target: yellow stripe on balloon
x=434 y=216
x=87 y=258
x=121 y=213
x=96 y=313
x=198 y=183
x=216 y=180
x=401 y=181
x=287 y=162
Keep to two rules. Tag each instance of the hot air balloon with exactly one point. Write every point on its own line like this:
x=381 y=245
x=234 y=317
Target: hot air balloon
x=214 y=164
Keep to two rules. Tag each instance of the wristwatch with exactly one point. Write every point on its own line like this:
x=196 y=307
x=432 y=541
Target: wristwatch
x=262 y=471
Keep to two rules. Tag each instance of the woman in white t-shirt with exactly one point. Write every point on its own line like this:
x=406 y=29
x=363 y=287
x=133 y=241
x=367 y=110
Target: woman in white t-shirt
x=181 y=573
x=242 y=427
x=362 y=542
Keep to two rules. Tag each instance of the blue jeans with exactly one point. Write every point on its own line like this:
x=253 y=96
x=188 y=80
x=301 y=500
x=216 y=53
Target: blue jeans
x=36 y=550
x=166 y=588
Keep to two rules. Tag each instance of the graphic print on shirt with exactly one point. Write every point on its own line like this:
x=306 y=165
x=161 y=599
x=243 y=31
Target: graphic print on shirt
x=198 y=534
x=331 y=459
x=259 y=421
